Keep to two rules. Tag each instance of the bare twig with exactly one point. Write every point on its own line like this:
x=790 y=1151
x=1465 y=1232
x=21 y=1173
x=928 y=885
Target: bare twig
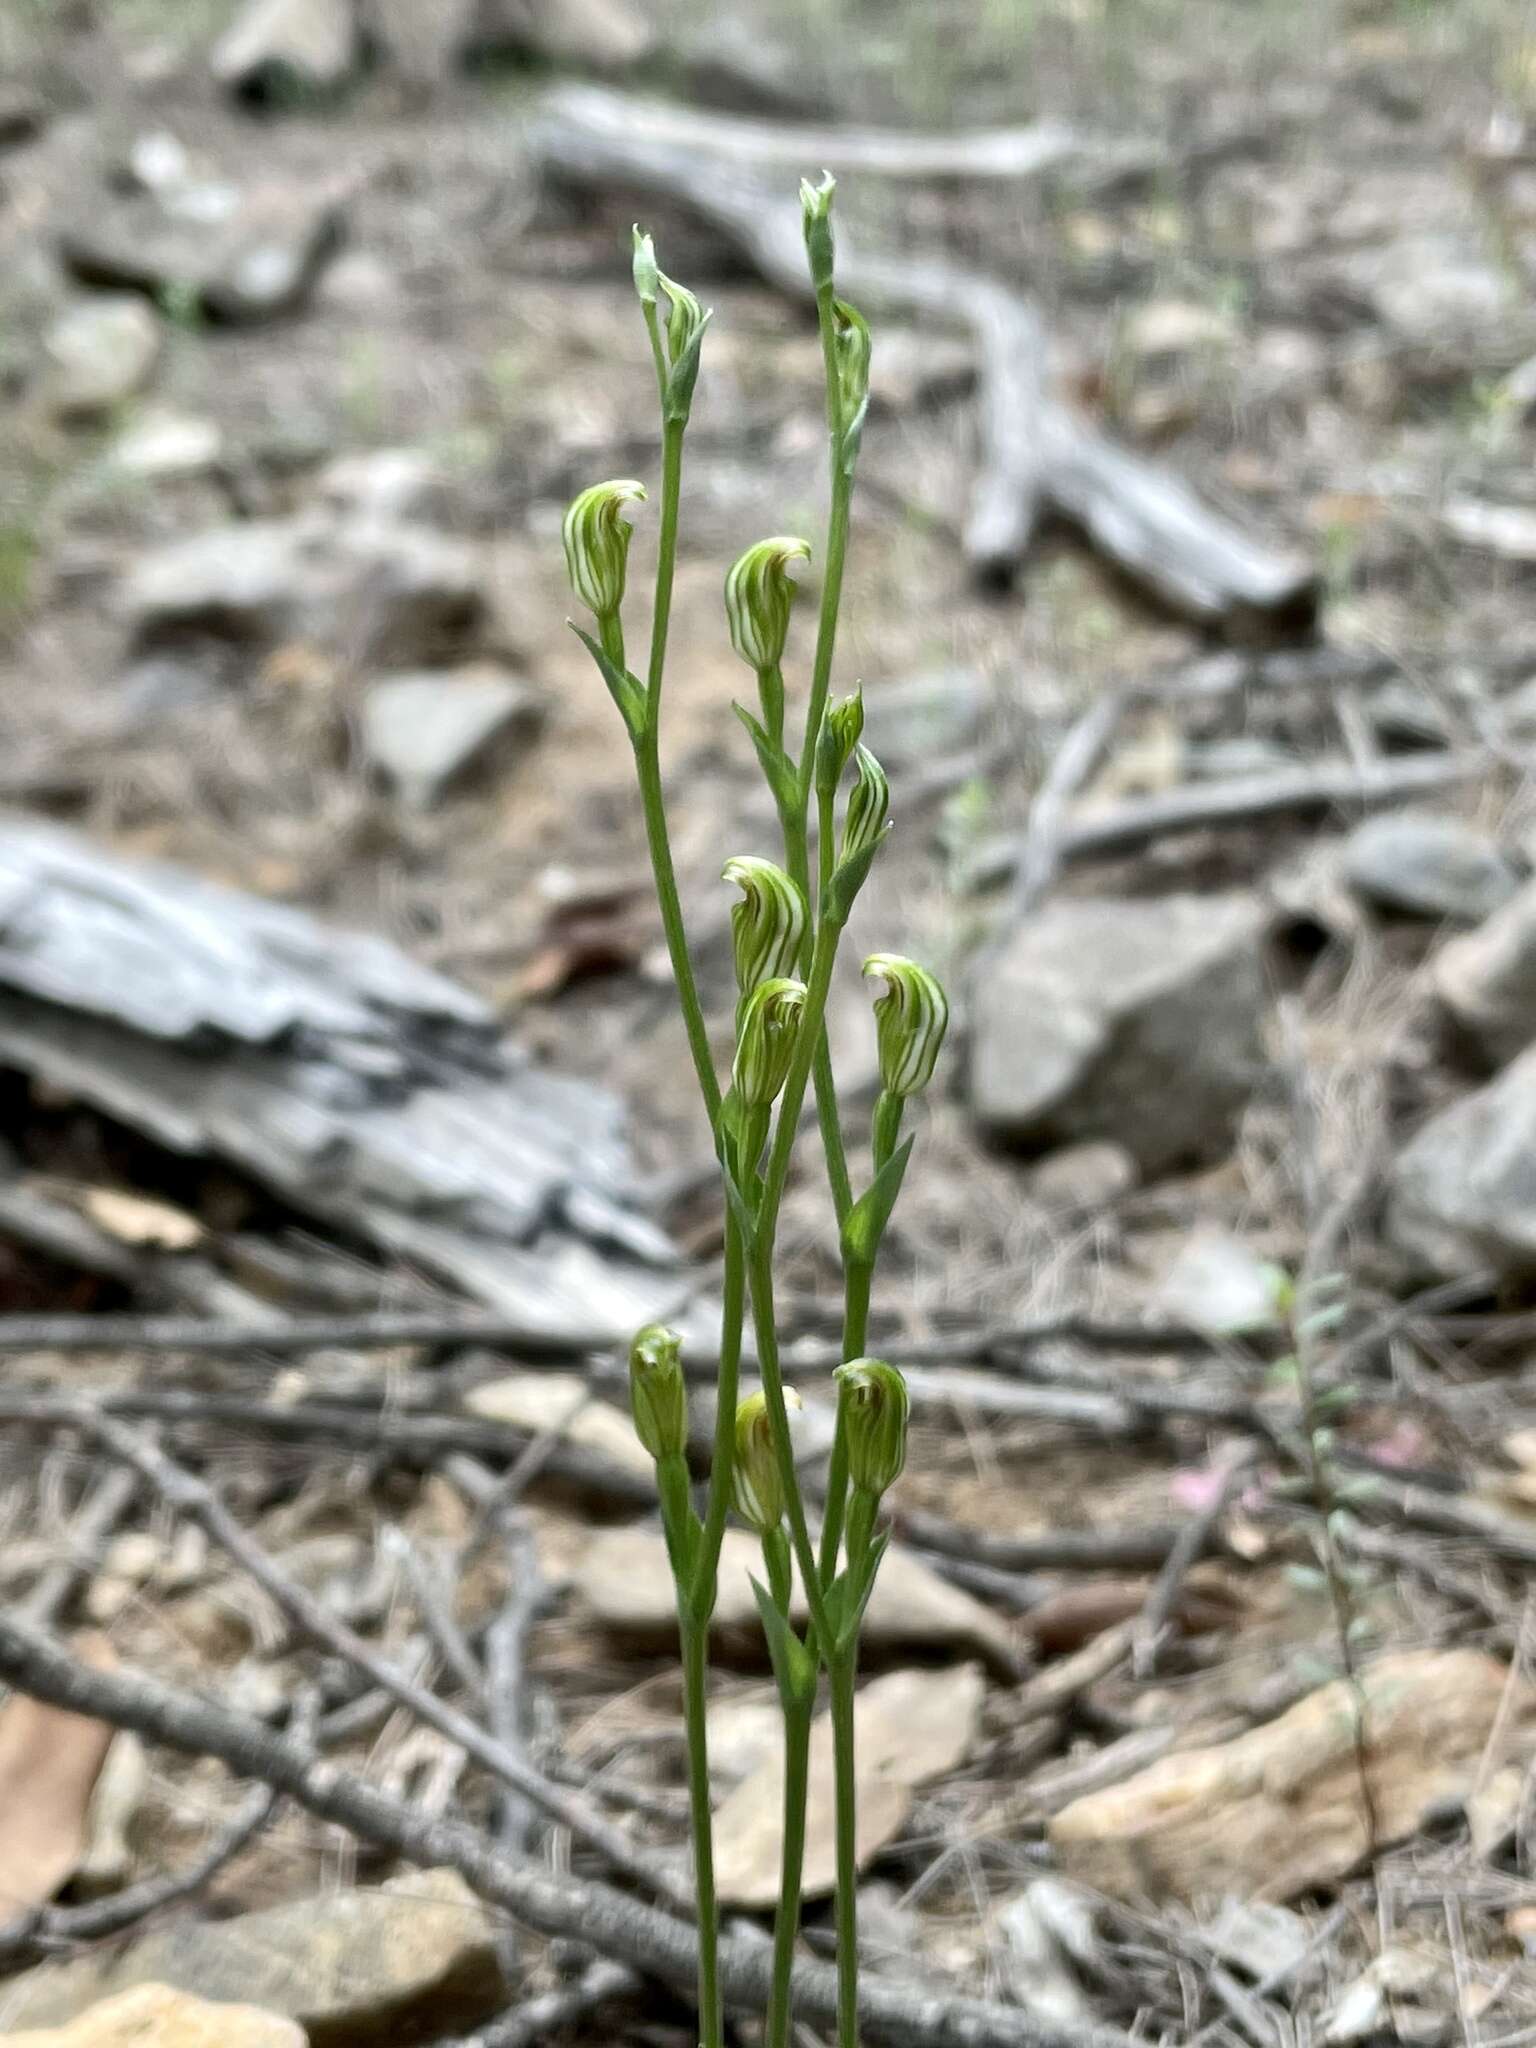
x=1073 y=762
x=103 y=1510
x=537 y=2019
x=560 y=1906
x=1193 y=1540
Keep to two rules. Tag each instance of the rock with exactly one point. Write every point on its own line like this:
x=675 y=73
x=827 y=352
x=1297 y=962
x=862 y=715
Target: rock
x=1432 y=286
x=156 y=161
x=1259 y=1939
x=378 y=483
x=1136 y=1021
x=1177 y=327
x=245 y=260
x=23 y=114
x=156 y=2016
x=162 y=446
x=279 y=50
x=368 y=590
x=1505 y=530
x=1461 y=1196
x=1485 y=981
x=1422 y=865
x=99 y=354
x=1218 y=1283
x=423 y=732
x=733 y=67
x=915 y=722
x=910 y=1727
x=563 y=1402
x=1036 y=1961
x=623 y=1579
x=1277 y=1811
x=1083 y=1178
x=411 y=1960
x=594 y=35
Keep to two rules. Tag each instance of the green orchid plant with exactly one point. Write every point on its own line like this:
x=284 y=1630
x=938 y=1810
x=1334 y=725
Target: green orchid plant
x=786 y=930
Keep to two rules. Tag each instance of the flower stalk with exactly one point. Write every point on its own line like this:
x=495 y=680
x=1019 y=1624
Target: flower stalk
x=786 y=931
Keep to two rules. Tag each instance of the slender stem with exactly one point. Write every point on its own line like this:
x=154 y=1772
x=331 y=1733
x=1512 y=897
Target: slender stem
x=858 y=1280
x=786 y=1926
x=648 y=773
x=826 y=627
x=732 y=1313
x=760 y=1276
x=695 y=1642
x=842 y=1671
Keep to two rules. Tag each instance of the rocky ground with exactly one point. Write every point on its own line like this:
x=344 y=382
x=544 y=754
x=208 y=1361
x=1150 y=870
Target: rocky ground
x=1199 y=1701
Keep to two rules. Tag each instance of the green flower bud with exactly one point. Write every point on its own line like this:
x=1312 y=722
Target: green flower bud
x=765 y=1044
x=647 y=276
x=757 y=1486
x=910 y=1021
x=869 y=802
x=851 y=350
x=686 y=319
x=658 y=1396
x=872 y=1407
x=758 y=596
x=597 y=537
x=840 y=730
x=768 y=924
x=816 y=217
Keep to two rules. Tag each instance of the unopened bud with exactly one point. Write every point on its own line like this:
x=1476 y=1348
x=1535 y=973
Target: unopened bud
x=851 y=352
x=647 y=276
x=768 y=924
x=658 y=1396
x=840 y=730
x=816 y=218
x=758 y=596
x=757 y=1485
x=765 y=1044
x=597 y=536
x=869 y=802
x=910 y=1021
x=872 y=1407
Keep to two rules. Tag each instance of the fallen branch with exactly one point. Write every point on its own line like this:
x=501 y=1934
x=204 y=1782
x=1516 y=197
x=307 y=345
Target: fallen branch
x=1035 y=455
x=446 y=1329
x=1244 y=800
x=552 y=1904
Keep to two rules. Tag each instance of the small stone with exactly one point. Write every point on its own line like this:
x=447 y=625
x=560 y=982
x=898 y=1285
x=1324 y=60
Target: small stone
x=1460 y=1196
x=1485 y=981
x=244 y=259
x=100 y=354
x=424 y=732
x=1423 y=865
x=276 y=51
x=378 y=483
x=1435 y=285
x=1083 y=1178
x=595 y=35
x=562 y=1404
x=162 y=446
x=920 y=720
x=155 y=2016
x=1175 y=327
x=1218 y=1283
x=155 y=162
x=1261 y=1941
x=23 y=115
x=1506 y=530
x=364 y=589
x=1132 y=1020
x=414 y=1959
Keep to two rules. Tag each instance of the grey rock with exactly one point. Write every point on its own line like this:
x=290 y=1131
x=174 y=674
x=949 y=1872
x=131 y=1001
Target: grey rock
x=1462 y=1193
x=279 y=49
x=1428 y=286
x=23 y=114
x=369 y=590
x=423 y=732
x=924 y=717
x=412 y=1960
x=597 y=35
x=1218 y=1283
x=243 y=260
x=160 y=446
x=99 y=354
x=1423 y=865
x=1137 y=1021
x=1485 y=981
x=1083 y=1178
x=378 y=483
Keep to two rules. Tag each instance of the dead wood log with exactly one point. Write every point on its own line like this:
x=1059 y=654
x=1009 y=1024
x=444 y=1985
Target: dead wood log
x=1034 y=456
x=549 y=1902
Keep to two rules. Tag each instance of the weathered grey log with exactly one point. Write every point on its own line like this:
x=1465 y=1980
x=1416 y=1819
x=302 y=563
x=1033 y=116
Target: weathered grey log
x=1034 y=454
x=360 y=1087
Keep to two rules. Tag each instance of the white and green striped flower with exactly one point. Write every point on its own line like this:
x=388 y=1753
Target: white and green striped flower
x=658 y=1396
x=765 y=1041
x=757 y=1486
x=768 y=924
x=759 y=592
x=869 y=803
x=910 y=1021
x=873 y=1405
x=597 y=536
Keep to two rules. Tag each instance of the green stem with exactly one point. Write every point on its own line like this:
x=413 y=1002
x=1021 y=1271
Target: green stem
x=858 y=1280
x=826 y=626
x=732 y=1313
x=695 y=1642
x=648 y=773
x=842 y=1671
x=786 y=1926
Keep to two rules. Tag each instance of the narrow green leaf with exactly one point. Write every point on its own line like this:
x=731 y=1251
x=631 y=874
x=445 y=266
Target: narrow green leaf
x=848 y=879
x=794 y=1668
x=626 y=690
x=866 y=1221
x=778 y=770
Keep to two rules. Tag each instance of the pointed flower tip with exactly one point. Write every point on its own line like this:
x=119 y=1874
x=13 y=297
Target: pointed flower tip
x=596 y=537
x=759 y=594
x=768 y=924
x=658 y=1394
x=765 y=1042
